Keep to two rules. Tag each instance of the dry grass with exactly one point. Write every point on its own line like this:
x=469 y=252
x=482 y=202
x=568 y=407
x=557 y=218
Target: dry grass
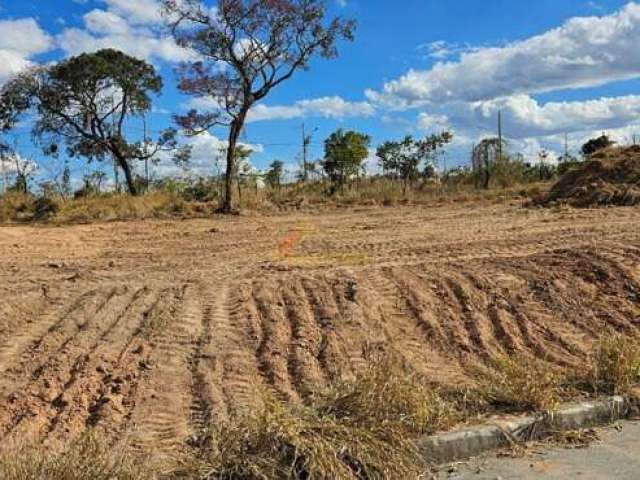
x=126 y=207
x=17 y=207
x=387 y=393
x=614 y=365
x=87 y=458
x=279 y=441
x=521 y=383
x=362 y=429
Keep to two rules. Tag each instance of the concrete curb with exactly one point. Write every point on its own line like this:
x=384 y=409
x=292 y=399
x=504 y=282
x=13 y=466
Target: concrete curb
x=467 y=443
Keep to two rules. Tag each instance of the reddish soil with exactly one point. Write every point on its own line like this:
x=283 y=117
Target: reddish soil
x=155 y=329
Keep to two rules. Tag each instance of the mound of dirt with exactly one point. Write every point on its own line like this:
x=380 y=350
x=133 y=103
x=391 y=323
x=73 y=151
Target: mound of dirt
x=611 y=177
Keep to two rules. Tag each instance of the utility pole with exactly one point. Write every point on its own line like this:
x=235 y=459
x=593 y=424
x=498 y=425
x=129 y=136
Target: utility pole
x=4 y=173
x=499 y=135
x=146 y=160
x=306 y=142
x=305 y=146
x=566 y=147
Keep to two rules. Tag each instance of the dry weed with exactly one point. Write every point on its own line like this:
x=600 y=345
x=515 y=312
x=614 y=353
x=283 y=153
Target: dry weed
x=280 y=441
x=89 y=458
x=520 y=383
x=387 y=393
x=614 y=365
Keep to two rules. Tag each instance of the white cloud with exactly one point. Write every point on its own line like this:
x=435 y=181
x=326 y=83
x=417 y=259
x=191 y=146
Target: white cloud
x=104 y=22
x=137 y=12
x=207 y=156
x=583 y=52
x=524 y=117
x=133 y=26
x=24 y=36
x=20 y=40
x=325 y=107
x=75 y=41
x=441 y=49
x=432 y=121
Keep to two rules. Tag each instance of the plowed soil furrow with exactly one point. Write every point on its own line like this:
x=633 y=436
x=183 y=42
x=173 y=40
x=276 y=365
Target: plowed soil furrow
x=102 y=382
x=235 y=323
x=275 y=352
x=51 y=387
x=332 y=357
x=156 y=330
x=306 y=342
x=410 y=333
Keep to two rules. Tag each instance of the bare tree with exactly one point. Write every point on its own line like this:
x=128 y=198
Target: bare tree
x=249 y=47
x=484 y=157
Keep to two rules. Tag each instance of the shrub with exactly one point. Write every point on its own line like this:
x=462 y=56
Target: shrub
x=45 y=208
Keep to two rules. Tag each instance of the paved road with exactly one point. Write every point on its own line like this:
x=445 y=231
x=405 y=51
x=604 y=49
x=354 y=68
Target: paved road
x=615 y=456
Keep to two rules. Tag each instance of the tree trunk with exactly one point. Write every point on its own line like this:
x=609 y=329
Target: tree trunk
x=487 y=173
x=128 y=175
x=227 y=205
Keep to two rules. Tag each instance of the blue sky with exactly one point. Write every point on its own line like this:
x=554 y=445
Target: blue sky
x=416 y=66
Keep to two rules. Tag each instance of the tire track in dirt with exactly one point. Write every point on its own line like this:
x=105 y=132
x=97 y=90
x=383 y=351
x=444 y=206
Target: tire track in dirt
x=407 y=312
x=100 y=382
x=161 y=419
x=238 y=335
x=306 y=343
x=275 y=353
x=207 y=403
x=52 y=331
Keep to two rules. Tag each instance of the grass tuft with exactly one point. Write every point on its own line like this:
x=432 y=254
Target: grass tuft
x=280 y=441
x=387 y=393
x=614 y=365
x=520 y=383
x=86 y=458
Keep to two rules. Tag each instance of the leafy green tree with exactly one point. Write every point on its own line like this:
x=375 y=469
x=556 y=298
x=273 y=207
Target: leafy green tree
x=402 y=160
x=273 y=177
x=431 y=147
x=261 y=44
x=596 y=144
x=344 y=153
x=84 y=102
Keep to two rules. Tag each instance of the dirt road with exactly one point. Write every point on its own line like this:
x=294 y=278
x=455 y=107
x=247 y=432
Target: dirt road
x=154 y=329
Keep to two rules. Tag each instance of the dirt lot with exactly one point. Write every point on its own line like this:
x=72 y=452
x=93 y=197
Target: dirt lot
x=156 y=329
